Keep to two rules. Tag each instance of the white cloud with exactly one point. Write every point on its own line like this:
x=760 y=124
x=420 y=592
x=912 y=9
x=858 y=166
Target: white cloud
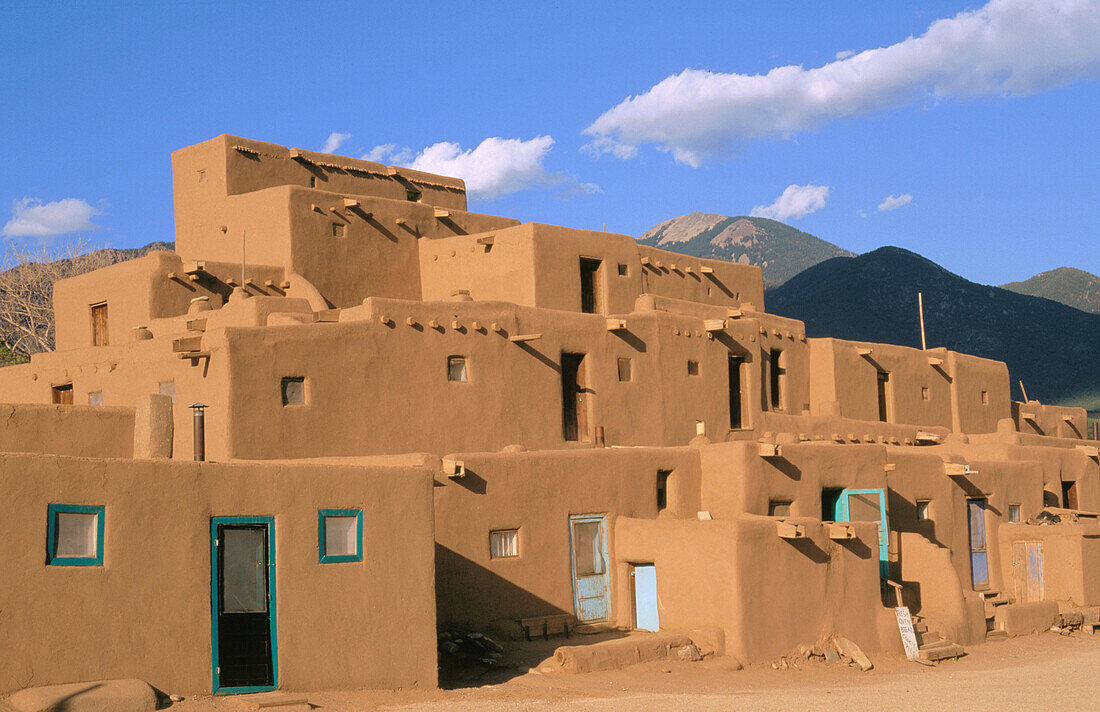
x=389 y=153
x=844 y=54
x=33 y=218
x=334 y=141
x=1008 y=47
x=496 y=167
x=893 y=202
x=796 y=201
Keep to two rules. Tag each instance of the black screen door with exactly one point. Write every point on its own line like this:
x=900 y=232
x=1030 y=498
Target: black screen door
x=244 y=633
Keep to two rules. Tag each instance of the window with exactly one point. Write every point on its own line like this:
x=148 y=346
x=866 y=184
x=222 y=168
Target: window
x=588 y=549
x=830 y=498
x=202 y=176
x=985 y=397
x=294 y=391
x=693 y=368
x=99 y=324
x=63 y=394
x=167 y=388
x=779 y=508
x=662 y=488
x=340 y=535
x=74 y=535
x=338 y=229
x=624 y=271
x=456 y=369
x=313 y=181
x=504 y=544
x=624 y=370
x=590 y=285
x=923 y=506
x=925 y=394
x=775 y=377
x=412 y=194
x=1014 y=513
x=735 y=391
x=95 y=398
x=883 y=396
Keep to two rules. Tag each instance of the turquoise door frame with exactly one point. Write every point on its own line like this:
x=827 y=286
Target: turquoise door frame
x=215 y=522
x=843 y=514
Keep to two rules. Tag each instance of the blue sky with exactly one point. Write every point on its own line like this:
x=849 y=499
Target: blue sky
x=988 y=121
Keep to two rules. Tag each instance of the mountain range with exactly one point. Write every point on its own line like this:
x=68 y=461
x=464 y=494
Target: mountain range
x=780 y=250
x=1045 y=328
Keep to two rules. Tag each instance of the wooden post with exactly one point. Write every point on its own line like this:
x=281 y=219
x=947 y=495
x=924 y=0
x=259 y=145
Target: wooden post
x=920 y=308
x=1024 y=391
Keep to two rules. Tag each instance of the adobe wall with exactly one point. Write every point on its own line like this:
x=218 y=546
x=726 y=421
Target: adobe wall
x=1071 y=559
x=79 y=431
x=767 y=593
x=536 y=492
x=980 y=394
x=1037 y=418
x=146 y=612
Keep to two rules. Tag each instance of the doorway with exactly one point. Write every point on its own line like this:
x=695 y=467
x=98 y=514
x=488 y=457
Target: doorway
x=643 y=581
x=574 y=406
x=1069 y=495
x=590 y=285
x=979 y=562
x=735 y=363
x=242 y=600
x=588 y=549
x=1027 y=570
x=867 y=505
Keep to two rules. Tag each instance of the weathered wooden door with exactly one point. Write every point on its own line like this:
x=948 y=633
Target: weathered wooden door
x=867 y=505
x=588 y=546
x=99 y=325
x=243 y=604
x=979 y=562
x=574 y=397
x=1027 y=570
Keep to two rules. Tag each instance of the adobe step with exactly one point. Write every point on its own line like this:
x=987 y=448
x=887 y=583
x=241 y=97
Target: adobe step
x=943 y=651
x=275 y=701
x=995 y=636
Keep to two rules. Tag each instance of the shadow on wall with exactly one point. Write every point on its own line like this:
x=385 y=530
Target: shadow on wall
x=470 y=596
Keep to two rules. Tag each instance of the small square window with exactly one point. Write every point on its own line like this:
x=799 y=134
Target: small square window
x=624 y=271
x=340 y=535
x=985 y=397
x=1014 y=513
x=167 y=388
x=456 y=369
x=412 y=195
x=313 y=181
x=95 y=398
x=63 y=394
x=777 y=508
x=503 y=543
x=338 y=229
x=693 y=368
x=74 y=535
x=923 y=509
x=624 y=370
x=294 y=391
x=925 y=393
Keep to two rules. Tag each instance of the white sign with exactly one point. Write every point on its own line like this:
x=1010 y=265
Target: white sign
x=908 y=636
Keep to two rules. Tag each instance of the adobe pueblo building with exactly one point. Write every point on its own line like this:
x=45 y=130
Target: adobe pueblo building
x=420 y=418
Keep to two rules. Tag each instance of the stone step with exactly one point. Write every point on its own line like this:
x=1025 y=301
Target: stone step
x=996 y=636
x=275 y=701
x=942 y=652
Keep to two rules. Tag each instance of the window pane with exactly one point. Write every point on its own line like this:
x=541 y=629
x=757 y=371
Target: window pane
x=95 y=398
x=294 y=391
x=341 y=536
x=244 y=569
x=456 y=369
x=75 y=536
x=779 y=509
x=503 y=544
x=587 y=548
x=1013 y=512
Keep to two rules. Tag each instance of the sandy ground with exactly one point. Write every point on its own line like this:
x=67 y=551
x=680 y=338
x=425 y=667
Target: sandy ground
x=1030 y=673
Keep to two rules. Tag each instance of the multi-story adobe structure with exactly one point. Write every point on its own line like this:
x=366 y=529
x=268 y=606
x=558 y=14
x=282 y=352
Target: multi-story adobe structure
x=419 y=417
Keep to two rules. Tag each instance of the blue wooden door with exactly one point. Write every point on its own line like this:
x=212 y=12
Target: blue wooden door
x=868 y=505
x=979 y=564
x=588 y=546
x=644 y=579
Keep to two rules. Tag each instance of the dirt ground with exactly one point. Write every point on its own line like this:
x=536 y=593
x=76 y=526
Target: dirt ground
x=1039 y=672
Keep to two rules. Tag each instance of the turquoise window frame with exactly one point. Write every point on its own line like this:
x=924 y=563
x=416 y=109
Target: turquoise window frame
x=322 y=515
x=51 y=534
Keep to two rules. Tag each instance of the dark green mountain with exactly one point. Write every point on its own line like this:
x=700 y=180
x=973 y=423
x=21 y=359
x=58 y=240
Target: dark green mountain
x=778 y=249
x=1072 y=287
x=1053 y=348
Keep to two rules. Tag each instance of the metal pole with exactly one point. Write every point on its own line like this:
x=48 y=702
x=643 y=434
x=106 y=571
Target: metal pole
x=920 y=308
x=200 y=431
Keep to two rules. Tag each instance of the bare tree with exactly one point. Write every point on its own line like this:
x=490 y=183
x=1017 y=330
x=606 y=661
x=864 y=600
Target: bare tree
x=26 y=289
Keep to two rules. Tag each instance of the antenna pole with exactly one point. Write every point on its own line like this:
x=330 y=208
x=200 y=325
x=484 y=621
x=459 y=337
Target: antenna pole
x=920 y=308
x=244 y=240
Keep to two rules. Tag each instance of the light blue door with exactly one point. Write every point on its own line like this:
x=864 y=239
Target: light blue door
x=979 y=564
x=644 y=577
x=588 y=546
x=868 y=505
